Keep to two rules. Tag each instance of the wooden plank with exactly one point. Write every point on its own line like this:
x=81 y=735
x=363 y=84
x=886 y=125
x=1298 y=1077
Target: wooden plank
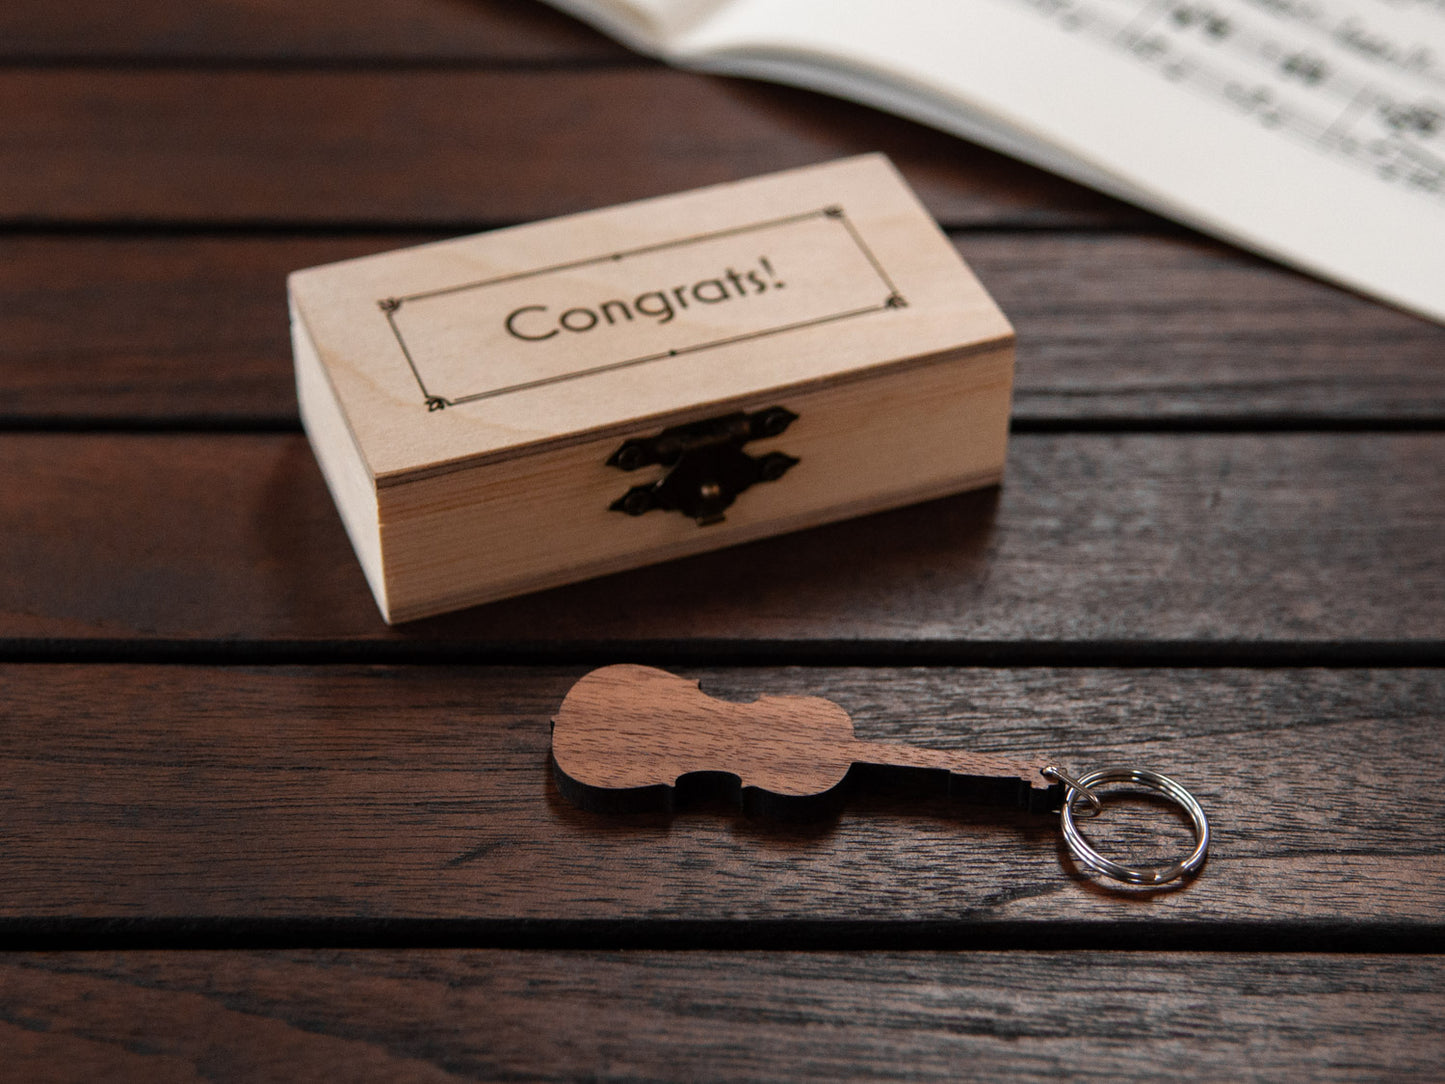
x=362 y=795
x=825 y=1016
x=193 y=329
x=219 y=31
x=1132 y=539
x=1139 y=327
x=454 y=148
x=152 y=328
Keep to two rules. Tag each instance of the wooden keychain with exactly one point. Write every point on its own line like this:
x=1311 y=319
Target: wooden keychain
x=625 y=735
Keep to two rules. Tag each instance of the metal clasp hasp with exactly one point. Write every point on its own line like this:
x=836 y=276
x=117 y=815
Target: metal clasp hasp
x=706 y=467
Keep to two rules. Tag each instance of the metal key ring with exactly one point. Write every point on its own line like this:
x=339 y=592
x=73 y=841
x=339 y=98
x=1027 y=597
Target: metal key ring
x=1136 y=875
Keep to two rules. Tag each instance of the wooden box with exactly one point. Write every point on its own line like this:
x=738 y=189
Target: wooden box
x=541 y=404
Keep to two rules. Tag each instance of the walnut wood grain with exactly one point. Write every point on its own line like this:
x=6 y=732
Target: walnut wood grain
x=1162 y=329
x=817 y=1016
x=626 y=736
x=1159 y=329
x=185 y=795
x=433 y=148
x=372 y=32
x=1203 y=539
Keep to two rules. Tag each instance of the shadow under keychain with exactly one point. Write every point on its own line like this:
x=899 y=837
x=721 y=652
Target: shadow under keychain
x=626 y=735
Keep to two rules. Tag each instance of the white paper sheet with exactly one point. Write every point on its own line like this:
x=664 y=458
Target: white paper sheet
x=1309 y=130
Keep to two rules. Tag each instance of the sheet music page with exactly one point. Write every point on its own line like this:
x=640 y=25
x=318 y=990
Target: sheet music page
x=652 y=26
x=1310 y=130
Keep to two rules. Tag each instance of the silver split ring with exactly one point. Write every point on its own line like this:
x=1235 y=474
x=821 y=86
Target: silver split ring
x=1136 y=875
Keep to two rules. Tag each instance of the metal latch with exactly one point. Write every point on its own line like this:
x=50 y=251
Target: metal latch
x=707 y=465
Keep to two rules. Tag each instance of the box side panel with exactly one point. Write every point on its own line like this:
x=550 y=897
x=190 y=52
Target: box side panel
x=863 y=446
x=346 y=475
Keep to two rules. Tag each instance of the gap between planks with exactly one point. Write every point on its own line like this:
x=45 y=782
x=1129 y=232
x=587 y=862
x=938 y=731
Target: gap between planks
x=267 y=424
x=206 y=934
x=742 y=652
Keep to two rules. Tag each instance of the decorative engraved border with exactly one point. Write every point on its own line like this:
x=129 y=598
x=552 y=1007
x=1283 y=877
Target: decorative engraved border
x=389 y=306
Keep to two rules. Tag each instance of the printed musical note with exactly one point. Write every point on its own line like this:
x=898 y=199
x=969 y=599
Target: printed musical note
x=1359 y=81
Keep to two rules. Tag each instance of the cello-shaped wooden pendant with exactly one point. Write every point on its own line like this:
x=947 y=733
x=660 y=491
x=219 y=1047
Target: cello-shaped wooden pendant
x=626 y=736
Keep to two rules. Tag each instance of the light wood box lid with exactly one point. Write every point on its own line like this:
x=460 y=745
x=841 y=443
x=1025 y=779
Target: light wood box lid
x=788 y=280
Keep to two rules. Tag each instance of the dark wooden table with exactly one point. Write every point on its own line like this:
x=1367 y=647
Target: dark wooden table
x=250 y=832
